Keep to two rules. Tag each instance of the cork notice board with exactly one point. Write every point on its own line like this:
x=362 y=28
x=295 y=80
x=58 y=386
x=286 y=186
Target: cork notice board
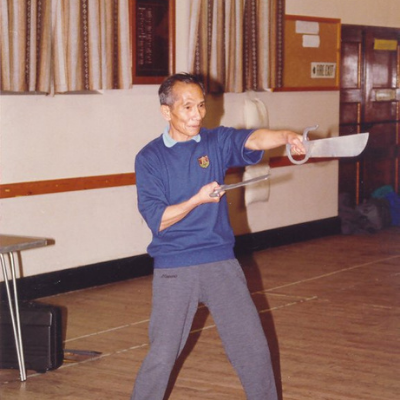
x=311 y=53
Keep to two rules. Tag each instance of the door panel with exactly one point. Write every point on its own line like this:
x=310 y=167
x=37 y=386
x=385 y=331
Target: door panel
x=369 y=102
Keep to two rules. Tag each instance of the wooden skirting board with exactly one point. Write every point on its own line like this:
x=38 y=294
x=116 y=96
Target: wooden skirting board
x=68 y=280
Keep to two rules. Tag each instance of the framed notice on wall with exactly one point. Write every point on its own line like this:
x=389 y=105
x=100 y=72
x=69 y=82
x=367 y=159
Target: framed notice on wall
x=153 y=40
x=311 y=53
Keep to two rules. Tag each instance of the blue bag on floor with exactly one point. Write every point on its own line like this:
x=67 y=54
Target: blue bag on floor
x=394 y=201
x=393 y=198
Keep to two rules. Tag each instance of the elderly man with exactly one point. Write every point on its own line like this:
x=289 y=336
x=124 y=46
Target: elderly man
x=192 y=244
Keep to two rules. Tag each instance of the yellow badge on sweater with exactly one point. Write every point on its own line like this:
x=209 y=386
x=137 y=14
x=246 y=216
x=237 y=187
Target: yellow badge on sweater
x=204 y=162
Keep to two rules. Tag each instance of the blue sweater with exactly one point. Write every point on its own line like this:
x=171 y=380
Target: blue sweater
x=170 y=175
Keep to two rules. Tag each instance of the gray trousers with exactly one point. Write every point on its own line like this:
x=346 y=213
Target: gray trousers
x=222 y=287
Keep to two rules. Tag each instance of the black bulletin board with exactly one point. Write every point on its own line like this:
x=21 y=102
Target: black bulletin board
x=311 y=53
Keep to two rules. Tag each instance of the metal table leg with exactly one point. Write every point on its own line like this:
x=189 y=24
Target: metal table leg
x=14 y=312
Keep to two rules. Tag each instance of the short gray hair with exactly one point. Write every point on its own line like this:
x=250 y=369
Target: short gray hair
x=165 y=91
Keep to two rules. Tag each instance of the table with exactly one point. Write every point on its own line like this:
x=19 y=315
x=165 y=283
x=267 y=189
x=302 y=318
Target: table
x=10 y=244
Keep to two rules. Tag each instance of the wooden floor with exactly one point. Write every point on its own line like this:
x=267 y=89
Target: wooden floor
x=330 y=308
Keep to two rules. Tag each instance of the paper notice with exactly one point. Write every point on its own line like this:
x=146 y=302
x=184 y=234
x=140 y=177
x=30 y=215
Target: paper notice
x=311 y=41
x=307 y=27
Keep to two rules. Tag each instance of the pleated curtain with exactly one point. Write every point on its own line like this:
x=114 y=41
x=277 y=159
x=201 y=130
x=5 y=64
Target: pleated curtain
x=64 y=45
x=230 y=43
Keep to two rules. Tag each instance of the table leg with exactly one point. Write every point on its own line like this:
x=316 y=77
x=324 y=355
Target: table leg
x=14 y=313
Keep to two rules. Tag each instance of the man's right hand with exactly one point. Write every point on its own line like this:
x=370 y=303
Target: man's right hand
x=177 y=212
x=205 y=192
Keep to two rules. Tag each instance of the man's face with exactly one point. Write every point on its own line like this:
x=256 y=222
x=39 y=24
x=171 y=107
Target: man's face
x=185 y=116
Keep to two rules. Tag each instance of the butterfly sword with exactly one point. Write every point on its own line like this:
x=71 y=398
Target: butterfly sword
x=340 y=146
x=224 y=188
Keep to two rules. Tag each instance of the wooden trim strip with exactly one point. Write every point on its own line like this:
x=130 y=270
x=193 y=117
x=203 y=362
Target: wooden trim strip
x=307 y=89
x=10 y=190
x=65 y=185
x=316 y=19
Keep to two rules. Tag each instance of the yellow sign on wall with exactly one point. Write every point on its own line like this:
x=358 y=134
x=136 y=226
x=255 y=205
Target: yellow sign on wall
x=382 y=44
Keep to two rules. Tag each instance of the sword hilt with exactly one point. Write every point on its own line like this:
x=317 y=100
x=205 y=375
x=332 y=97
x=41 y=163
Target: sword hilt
x=305 y=140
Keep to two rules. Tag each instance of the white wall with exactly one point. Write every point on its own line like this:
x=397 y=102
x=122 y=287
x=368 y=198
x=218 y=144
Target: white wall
x=354 y=12
x=45 y=137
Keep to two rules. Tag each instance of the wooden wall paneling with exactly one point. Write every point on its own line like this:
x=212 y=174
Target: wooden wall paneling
x=97 y=182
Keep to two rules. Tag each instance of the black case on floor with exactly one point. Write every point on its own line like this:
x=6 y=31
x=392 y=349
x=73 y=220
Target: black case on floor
x=42 y=336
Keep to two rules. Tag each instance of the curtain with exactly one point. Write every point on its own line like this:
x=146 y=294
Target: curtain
x=230 y=43
x=25 y=42
x=64 y=45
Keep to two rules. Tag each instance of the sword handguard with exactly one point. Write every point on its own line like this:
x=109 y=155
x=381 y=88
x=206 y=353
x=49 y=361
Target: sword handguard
x=305 y=140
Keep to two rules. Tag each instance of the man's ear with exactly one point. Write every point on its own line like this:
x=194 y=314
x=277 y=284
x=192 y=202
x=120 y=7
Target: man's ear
x=166 y=112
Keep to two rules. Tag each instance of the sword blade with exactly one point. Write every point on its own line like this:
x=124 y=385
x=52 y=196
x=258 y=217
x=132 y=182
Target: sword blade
x=224 y=188
x=245 y=183
x=341 y=146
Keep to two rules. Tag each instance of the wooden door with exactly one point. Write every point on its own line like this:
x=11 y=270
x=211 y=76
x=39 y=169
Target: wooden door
x=369 y=102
